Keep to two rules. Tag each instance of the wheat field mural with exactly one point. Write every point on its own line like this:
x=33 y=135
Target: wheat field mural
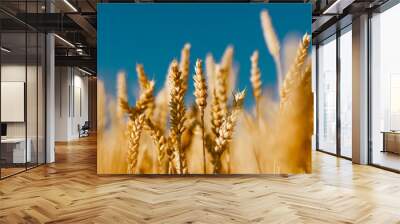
x=208 y=129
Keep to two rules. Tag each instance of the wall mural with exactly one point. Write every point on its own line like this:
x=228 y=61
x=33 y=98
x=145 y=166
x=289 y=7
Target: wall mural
x=204 y=89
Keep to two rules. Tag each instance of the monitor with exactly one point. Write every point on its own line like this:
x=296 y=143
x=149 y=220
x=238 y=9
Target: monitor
x=3 y=129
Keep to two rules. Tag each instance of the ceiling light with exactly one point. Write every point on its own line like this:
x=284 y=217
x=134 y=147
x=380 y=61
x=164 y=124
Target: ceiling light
x=84 y=71
x=5 y=50
x=65 y=41
x=70 y=5
x=337 y=7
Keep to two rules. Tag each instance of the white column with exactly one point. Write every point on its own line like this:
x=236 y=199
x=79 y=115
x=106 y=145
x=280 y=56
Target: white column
x=50 y=91
x=360 y=89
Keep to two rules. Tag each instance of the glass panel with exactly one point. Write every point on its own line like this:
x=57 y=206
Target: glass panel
x=13 y=89
x=31 y=98
x=346 y=93
x=314 y=87
x=385 y=84
x=23 y=89
x=31 y=86
x=327 y=96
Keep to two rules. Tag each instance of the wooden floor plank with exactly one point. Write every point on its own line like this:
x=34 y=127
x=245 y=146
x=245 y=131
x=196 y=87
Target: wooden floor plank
x=70 y=191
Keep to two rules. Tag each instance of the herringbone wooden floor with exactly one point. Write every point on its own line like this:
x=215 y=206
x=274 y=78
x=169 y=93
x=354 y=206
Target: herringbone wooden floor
x=69 y=191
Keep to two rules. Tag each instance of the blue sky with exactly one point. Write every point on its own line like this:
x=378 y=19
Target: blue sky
x=154 y=34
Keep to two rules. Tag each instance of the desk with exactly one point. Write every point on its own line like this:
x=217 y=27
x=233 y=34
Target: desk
x=391 y=141
x=16 y=147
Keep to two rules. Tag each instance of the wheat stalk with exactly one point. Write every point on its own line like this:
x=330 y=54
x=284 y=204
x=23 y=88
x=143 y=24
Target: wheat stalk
x=160 y=115
x=134 y=132
x=101 y=102
x=272 y=43
x=226 y=130
x=294 y=73
x=255 y=80
x=201 y=100
x=137 y=117
x=191 y=122
x=184 y=65
x=177 y=115
x=161 y=143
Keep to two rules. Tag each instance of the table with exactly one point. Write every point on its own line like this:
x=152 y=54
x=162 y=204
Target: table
x=16 y=147
x=391 y=141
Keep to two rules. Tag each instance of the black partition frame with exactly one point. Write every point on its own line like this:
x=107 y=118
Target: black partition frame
x=338 y=33
x=43 y=119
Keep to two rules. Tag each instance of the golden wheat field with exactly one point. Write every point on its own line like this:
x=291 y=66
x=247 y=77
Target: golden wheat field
x=163 y=134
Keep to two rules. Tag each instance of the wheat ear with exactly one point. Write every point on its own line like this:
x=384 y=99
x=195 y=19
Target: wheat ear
x=134 y=132
x=221 y=89
x=256 y=82
x=216 y=115
x=295 y=71
x=177 y=115
x=201 y=100
x=142 y=77
x=272 y=43
x=145 y=99
x=226 y=130
x=227 y=65
x=144 y=82
x=184 y=64
x=210 y=73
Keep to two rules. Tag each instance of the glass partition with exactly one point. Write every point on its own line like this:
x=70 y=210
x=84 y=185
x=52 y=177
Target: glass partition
x=385 y=89
x=31 y=99
x=13 y=105
x=346 y=92
x=327 y=95
x=22 y=78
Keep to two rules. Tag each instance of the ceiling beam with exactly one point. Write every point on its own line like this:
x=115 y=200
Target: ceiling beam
x=78 y=61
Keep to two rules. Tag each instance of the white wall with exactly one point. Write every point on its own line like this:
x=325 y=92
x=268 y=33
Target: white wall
x=71 y=102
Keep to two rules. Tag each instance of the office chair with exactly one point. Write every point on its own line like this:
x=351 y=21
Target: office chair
x=84 y=130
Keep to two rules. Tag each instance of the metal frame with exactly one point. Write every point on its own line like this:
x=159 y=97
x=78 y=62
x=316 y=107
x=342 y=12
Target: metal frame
x=338 y=98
